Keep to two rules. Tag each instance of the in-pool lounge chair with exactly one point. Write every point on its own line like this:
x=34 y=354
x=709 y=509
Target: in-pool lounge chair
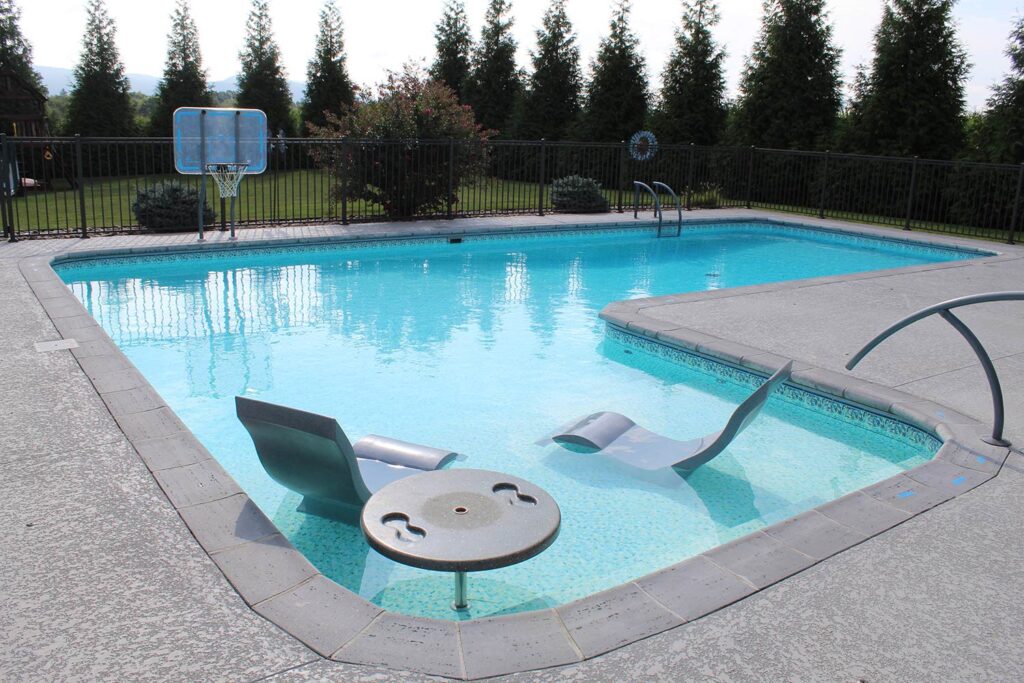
x=616 y=436
x=310 y=454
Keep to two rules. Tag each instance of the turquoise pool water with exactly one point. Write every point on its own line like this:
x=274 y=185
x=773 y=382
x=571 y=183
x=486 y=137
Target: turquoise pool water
x=485 y=347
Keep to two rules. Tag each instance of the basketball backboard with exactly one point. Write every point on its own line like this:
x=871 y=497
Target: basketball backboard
x=207 y=135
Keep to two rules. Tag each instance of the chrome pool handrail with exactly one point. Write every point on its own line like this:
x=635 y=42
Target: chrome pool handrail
x=943 y=310
x=679 y=207
x=637 y=186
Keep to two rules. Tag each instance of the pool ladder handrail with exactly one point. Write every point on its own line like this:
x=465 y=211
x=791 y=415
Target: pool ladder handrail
x=679 y=207
x=658 y=212
x=943 y=310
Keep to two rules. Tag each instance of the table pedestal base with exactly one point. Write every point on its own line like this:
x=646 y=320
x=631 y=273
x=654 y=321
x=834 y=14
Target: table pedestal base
x=460 y=602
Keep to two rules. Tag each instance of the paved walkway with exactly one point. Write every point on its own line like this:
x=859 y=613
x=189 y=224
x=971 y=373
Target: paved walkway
x=101 y=580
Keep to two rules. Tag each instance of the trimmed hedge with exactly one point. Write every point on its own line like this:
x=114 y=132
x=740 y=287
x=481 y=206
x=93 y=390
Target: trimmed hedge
x=575 y=194
x=170 y=207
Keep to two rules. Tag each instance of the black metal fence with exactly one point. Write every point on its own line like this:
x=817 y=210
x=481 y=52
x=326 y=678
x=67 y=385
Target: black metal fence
x=66 y=187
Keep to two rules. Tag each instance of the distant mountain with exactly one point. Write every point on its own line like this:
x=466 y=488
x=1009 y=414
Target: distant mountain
x=225 y=84
x=143 y=83
x=56 y=79
x=297 y=88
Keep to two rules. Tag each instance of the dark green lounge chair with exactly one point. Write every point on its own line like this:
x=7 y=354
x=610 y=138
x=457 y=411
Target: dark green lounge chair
x=310 y=454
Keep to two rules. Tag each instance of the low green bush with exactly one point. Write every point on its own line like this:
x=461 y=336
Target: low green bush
x=170 y=207
x=706 y=196
x=575 y=194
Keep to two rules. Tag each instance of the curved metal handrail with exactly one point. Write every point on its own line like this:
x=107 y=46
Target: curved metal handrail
x=943 y=310
x=679 y=205
x=637 y=186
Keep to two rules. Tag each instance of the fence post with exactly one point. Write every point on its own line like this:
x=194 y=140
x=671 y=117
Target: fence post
x=7 y=189
x=81 y=187
x=824 y=185
x=1013 y=221
x=540 y=180
x=622 y=171
x=910 y=194
x=343 y=180
x=451 y=178
x=689 y=179
x=750 y=175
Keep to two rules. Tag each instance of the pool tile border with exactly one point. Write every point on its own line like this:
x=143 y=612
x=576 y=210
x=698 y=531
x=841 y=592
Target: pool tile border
x=282 y=586
x=818 y=400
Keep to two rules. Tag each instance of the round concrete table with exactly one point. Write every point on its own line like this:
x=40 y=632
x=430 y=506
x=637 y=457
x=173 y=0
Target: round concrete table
x=460 y=521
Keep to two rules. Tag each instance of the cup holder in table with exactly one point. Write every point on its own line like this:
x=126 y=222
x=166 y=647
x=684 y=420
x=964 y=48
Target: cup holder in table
x=404 y=531
x=513 y=495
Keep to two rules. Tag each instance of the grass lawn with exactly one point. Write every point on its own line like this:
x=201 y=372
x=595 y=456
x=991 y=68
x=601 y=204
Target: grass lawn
x=273 y=197
x=990 y=234
x=304 y=196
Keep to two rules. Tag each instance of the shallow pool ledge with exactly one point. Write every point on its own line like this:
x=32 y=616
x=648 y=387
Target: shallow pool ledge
x=281 y=585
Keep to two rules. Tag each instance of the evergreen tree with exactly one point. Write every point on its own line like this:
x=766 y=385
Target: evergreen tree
x=552 y=104
x=328 y=87
x=693 y=94
x=848 y=126
x=451 y=66
x=494 y=84
x=913 y=101
x=1000 y=136
x=184 y=82
x=616 y=102
x=100 y=103
x=262 y=84
x=15 y=52
x=790 y=89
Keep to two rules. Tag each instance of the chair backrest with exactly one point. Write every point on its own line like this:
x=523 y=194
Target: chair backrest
x=713 y=444
x=305 y=452
x=752 y=405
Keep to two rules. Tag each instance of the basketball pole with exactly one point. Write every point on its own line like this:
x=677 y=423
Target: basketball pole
x=238 y=153
x=202 y=170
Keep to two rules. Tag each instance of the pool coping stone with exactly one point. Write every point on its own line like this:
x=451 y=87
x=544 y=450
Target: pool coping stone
x=695 y=587
x=320 y=613
x=392 y=640
x=606 y=621
x=282 y=586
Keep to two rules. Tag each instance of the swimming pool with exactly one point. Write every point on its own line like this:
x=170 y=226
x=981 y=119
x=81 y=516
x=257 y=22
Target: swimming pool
x=484 y=347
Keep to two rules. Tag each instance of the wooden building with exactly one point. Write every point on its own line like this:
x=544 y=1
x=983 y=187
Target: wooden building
x=22 y=107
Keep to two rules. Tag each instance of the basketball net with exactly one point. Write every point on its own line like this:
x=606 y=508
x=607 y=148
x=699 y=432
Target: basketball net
x=228 y=177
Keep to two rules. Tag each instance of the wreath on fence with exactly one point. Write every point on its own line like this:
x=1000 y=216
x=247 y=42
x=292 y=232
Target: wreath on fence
x=643 y=145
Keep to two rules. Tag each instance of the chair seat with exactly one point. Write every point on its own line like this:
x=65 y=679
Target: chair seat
x=377 y=474
x=402 y=453
x=617 y=436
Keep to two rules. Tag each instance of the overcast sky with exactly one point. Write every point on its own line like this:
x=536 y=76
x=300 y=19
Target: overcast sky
x=383 y=34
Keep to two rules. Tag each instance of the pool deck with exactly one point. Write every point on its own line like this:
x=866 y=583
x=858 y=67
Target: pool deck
x=103 y=581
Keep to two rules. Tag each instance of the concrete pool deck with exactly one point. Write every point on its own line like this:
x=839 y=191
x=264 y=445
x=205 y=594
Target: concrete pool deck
x=108 y=583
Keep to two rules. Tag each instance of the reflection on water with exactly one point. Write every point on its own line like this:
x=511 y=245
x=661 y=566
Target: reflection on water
x=484 y=347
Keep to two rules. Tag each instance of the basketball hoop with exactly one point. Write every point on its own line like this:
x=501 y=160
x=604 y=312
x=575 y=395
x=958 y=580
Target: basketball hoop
x=215 y=141
x=228 y=177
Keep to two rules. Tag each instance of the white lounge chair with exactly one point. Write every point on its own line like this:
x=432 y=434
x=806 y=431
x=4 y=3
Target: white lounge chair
x=617 y=436
x=310 y=454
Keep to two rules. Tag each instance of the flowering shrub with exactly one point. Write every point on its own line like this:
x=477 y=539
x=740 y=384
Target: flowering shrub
x=403 y=148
